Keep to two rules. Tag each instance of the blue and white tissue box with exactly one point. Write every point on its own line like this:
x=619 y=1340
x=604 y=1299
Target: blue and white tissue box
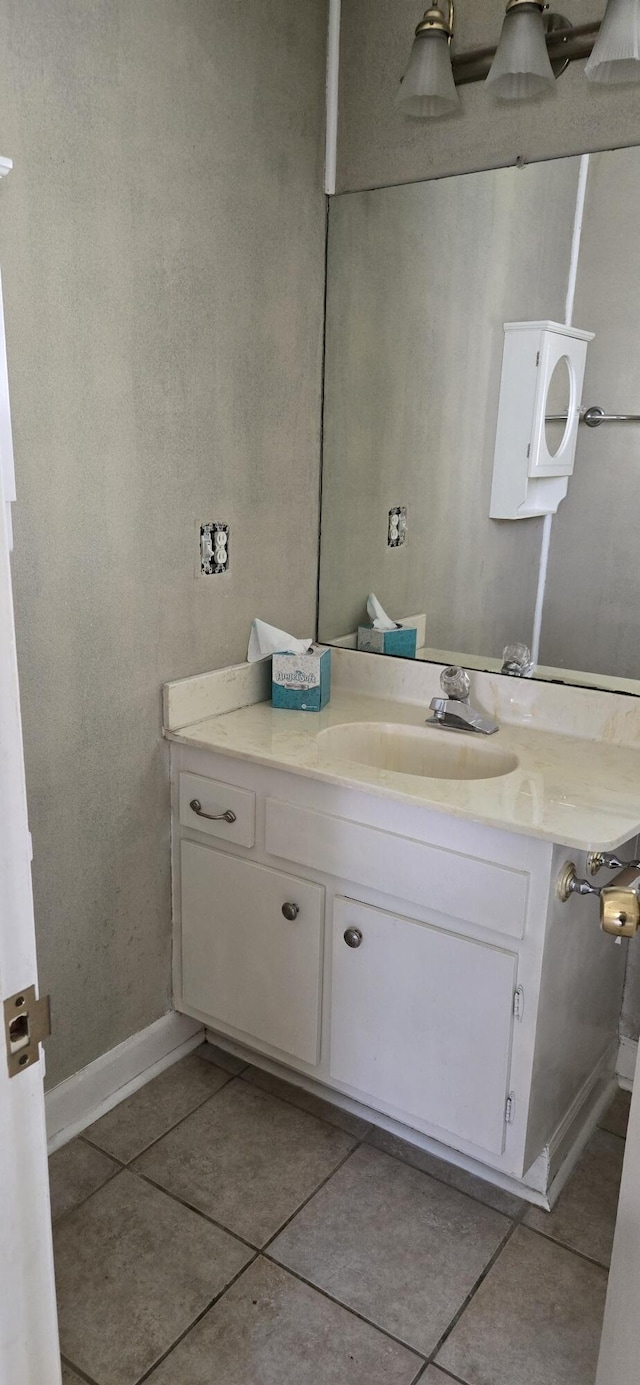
x=402 y=641
x=301 y=682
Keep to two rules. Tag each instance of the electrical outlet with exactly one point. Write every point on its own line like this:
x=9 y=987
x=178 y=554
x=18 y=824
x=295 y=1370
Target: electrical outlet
x=214 y=549
x=397 y=531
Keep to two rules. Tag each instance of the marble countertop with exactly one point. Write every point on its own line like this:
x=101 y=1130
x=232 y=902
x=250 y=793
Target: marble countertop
x=577 y=792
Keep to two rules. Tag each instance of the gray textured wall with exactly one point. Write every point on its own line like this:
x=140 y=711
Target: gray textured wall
x=162 y=244
x=378 y=145
x=421 y=280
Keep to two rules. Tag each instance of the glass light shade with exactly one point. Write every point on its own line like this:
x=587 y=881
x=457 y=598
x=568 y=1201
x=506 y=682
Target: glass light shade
x=428 y=89
x=616 y=52
x=521 y=67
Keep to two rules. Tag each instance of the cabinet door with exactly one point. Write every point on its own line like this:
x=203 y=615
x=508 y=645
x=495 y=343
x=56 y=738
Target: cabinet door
x=244 y=963
x=421 y=1022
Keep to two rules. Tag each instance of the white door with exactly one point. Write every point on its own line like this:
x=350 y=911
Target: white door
x=620 y=1347
x=421 y=1022
x=28 y=1325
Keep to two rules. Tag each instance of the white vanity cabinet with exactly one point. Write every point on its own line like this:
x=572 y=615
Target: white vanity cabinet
x=418 y=965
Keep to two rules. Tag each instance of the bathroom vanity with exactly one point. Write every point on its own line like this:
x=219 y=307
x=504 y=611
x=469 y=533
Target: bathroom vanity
x=367 y=904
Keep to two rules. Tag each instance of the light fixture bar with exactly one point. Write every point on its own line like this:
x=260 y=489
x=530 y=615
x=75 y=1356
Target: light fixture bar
x=564 y=46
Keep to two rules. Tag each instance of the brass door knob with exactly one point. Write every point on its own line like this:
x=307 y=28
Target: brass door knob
x=353 y=937
x=619 y=912
x=290 y=912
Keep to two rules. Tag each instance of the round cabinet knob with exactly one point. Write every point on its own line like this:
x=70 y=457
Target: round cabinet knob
x=290 y=912
x=353 y=937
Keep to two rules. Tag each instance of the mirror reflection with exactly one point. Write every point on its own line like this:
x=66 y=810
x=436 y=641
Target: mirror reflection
x=557 y=408
x=416 y=314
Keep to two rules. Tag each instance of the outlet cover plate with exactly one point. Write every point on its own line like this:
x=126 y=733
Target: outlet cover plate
x=397 y=530
x=214 y=549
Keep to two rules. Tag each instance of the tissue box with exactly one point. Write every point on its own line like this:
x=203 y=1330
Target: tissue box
x=301 y=681
x=402 y=641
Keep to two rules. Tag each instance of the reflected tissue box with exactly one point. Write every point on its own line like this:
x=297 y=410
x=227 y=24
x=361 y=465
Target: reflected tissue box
x=402 y=641
x=301 y=682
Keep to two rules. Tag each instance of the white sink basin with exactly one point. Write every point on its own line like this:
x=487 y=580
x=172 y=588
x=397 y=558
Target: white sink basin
x=428 y=752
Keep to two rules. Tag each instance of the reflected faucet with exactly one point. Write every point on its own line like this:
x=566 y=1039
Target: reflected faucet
x=454 y=711
x=517 y=661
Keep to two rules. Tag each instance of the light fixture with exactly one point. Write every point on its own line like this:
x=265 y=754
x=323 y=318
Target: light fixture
x=535 y=48
x=522 y=67
x=616 y=52
x=428 y=88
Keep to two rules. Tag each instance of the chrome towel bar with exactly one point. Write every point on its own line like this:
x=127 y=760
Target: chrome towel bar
x=594 y=416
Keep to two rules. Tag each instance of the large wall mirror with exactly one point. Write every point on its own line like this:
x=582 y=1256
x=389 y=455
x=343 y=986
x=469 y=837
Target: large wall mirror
x=421 y=280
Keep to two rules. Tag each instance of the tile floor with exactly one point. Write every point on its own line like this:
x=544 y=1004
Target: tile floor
x=223 y=1228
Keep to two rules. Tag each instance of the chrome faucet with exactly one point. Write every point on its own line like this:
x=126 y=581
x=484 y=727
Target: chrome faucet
x=454 y=711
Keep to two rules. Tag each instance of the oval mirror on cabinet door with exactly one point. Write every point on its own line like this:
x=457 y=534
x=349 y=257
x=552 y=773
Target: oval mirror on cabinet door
x=557 y=421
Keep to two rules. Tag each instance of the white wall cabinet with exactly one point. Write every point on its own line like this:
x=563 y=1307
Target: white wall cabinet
x=477 y=1016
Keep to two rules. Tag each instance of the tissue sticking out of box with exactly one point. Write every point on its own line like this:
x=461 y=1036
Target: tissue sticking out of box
x=379 y=618
x=267 y=639
x=385 y=636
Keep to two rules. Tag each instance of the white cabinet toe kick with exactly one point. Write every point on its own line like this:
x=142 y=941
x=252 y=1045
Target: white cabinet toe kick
x=418 y=966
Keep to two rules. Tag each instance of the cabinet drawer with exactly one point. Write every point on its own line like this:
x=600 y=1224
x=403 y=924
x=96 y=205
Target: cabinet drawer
x=218 y=798
x=244 y=964
x=463 y=887
x=421 y=1022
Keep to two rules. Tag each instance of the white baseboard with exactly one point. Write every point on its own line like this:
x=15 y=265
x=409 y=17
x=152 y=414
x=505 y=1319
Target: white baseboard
x=90 y=1093
x=626 y=1064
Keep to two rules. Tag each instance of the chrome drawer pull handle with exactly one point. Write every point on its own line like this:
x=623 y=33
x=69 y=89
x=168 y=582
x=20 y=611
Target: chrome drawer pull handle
x=196 y=806
x=290 y=912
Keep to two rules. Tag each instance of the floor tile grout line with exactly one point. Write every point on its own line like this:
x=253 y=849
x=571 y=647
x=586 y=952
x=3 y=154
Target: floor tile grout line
x=311 y=1196
x=207 y=1217
x=470 y=1296
x=346 y=1307
x=99 y=1150
x=57 y=1221
x=365 y=1139
x=456 y=1379
x=66 y=1361
x=182 y=1202
x=290 y=1102
x=430 y=1359
x=145 y=1376
x=510 y=1216
x=602 y=1130
x=572 y=1250
x=227 y=1054
x=128 y=1162
x=265 y=1249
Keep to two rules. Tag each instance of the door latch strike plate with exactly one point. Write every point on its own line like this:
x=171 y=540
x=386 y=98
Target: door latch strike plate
x=27 y=1023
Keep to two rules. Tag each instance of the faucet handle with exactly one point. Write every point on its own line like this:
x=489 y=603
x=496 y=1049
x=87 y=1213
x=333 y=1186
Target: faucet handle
x=517 y=661
x=455 y=684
